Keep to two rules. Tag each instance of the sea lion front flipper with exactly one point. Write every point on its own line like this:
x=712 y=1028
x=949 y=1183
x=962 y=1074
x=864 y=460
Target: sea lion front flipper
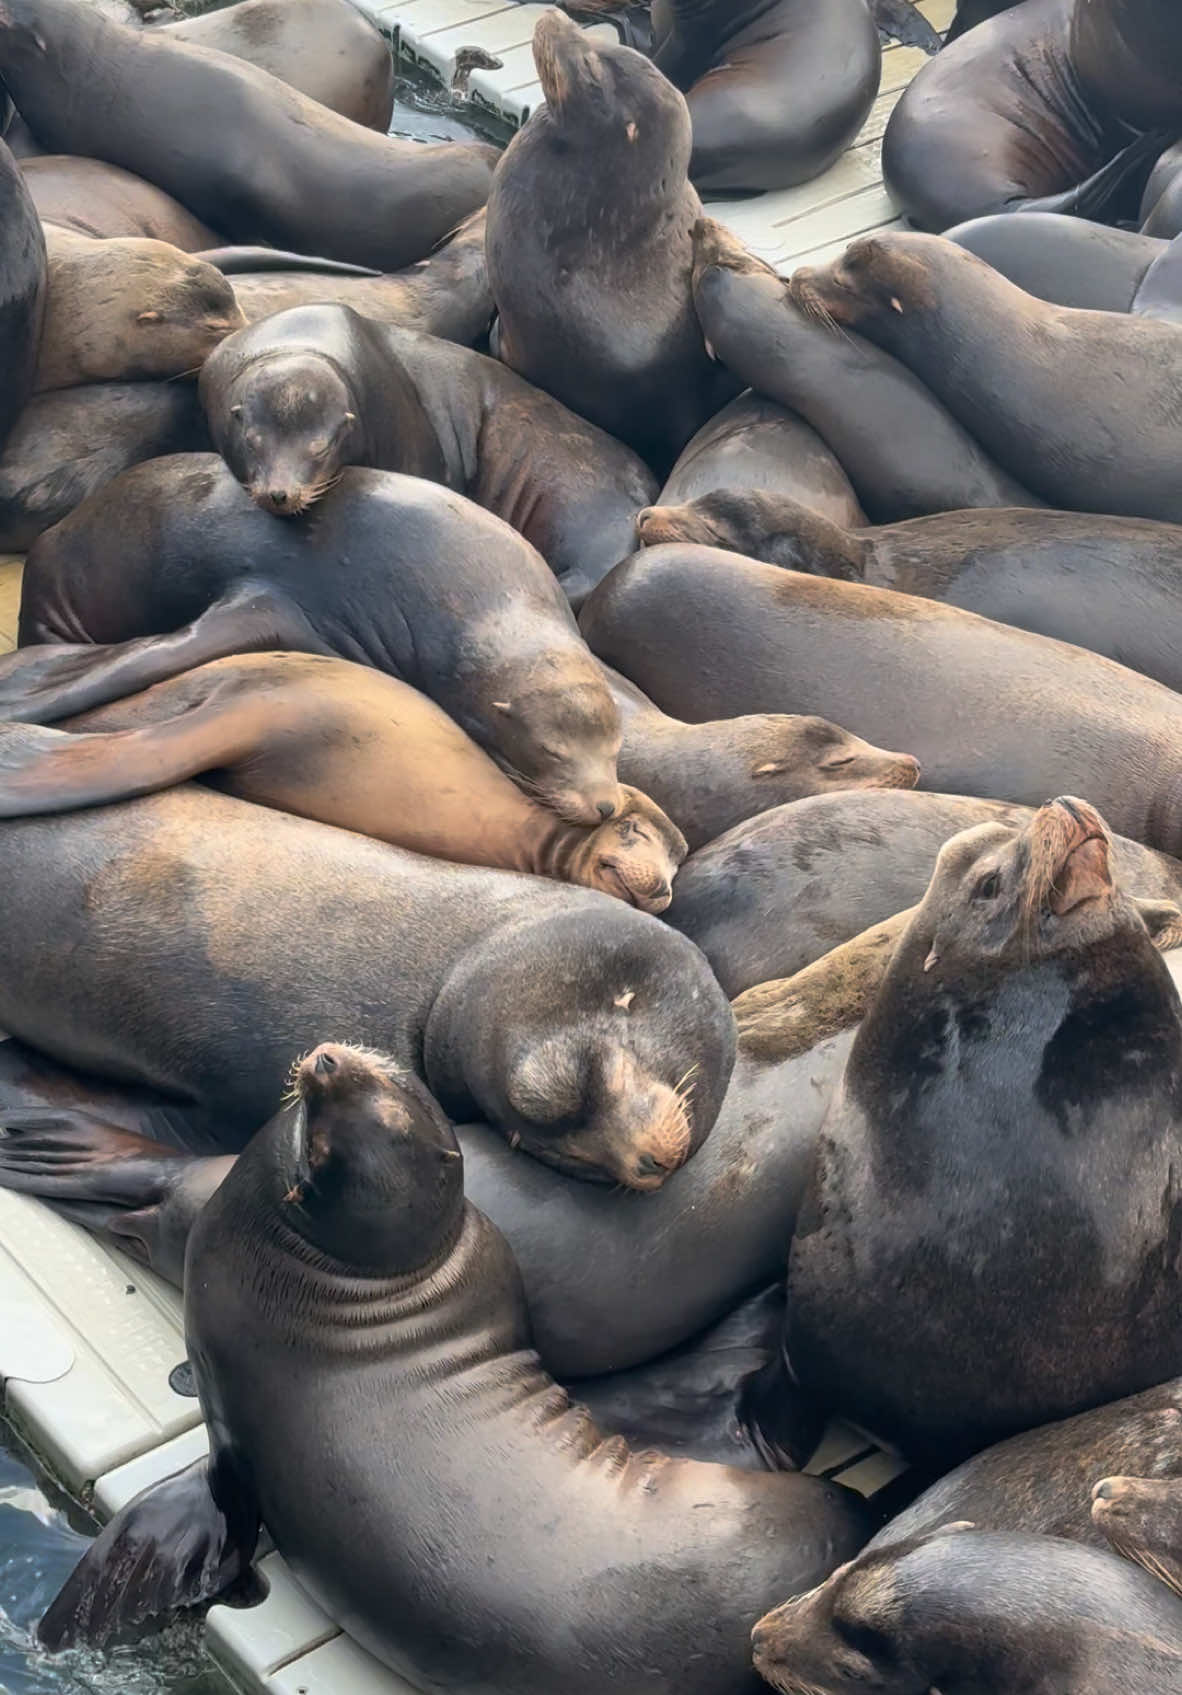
x=179 y=1544
x=902 y=21
x=235 y=261
x=1098 y=196
x=45 y=682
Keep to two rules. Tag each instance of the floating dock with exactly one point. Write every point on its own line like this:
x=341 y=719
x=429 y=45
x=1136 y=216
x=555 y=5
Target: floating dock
x=90 y=1343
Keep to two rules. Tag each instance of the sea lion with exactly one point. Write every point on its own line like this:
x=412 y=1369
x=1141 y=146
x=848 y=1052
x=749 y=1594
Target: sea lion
x=591 y=1034
x=714 y=775
x=1142 y=1518
x=291 y=400
x=1107 y=584
x=327 y=49
x=1067 y=261
x=776 y=89
x=344 y=744
x=903 y=451
x=66 y=444
x=1127 y=58
x=1028 y=1030
x=94 y=198
x=981 y=1612
x=1042 y=1481
x=1161 y=204
x=22 y=291
x=624 y=349
x=1007 y=119
x=128 y=310
x=173 y=564
x=781 y=889
x=753 y=443
x=986 y=709
x=245 y=152
x=349 y=1206
x=919 y=297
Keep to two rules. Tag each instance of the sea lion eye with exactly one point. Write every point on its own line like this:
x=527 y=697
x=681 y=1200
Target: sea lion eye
x=989 y=887
x=838 y=762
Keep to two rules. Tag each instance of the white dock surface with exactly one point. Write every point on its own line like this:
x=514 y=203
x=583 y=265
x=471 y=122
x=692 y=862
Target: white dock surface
x=88 y=1339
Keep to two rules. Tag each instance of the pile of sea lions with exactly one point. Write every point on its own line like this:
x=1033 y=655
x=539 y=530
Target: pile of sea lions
x=591 y=837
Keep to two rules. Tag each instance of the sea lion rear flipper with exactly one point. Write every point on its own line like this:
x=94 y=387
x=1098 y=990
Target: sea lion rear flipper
x=40 y=684
x=902 y=21
x=233 y=261
x=179 y=1544
x=1098 y=196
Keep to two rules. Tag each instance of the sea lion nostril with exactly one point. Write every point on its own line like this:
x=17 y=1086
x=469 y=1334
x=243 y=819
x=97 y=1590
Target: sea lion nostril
x=325 y=1065
x=649 y=1166
x=605 y=808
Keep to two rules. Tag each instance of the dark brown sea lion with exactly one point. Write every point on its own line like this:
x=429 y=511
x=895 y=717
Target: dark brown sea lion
x=350 y=1209
x=293 y=399
x=980 y=1612
x=328 y=49
x=245 y=151
x=22 y=291
x=346 y=745
x=128 y=310
x=986 y=709
x=1026 y=1039
x=94 y=198
x=173 y=564
x=1127 y=57
x=713 y=775
x=1007 y=365
x=66 y=444
x=1010 y=119
x=753 y=443
x=781 y=889
x=1068 y=261
x=902 y=449
x=587 y=1032
x=1108 y=584
x=776 y=88
x=596 y=309
x=1142 y=1519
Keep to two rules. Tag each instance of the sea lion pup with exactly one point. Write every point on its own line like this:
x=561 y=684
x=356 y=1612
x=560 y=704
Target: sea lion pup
x=777 y=891
x=1026 y=1038
x=757 y=638
x=294 y=399
x=91 y=197
x=338 y=1269
x=714 y=775
x=241 y=150
x=396 y=572
x=127 y=310
x=980 y=1612
x=1108 y=584
x=776 y=89
x=1022 y=368
x=903 y=451
x=23 y=270
x=345 y=744
x=623 y=349
x=1142 y=1518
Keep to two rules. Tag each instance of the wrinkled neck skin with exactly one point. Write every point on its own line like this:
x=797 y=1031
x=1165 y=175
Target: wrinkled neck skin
x=441 y=396
x=558 y=850
x=811 y=538
x=694 y=32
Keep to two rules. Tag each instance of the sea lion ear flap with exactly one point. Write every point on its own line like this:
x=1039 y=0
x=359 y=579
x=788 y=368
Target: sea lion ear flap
x=236 y=409
x=181 y=1542
x=954 y=1529
x=1163 y=920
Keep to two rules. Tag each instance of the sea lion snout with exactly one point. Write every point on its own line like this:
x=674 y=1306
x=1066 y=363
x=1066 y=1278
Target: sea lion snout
x=1070 y=854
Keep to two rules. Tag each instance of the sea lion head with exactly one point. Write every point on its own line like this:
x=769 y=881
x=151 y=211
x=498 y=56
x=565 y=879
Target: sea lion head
x=376 y=1175
x=592 y=1037
x=759 y=525
x=557 y=734
x=612 y=99
x=286 y=425
x=633 y=856
x=1142 y=1517
x=878 y=279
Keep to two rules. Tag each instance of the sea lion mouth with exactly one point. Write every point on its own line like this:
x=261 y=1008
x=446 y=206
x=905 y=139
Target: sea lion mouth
x=1069 y=857
x=654 y=896
x=904 y=774
x=824 y=299
x=657 y=524
x=282 y=502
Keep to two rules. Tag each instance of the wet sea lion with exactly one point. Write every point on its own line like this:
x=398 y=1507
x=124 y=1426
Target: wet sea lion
x=781 y=889
x=1006 y=119
x=22 y=291
x=776 y=89
x=714 y=775
x=94 y=198
x=345 y=744
x=66 y=444
x=1107 y=584
x=985 y=708
x=919 y=297
x=354 y=1200
x=982 y=1612
x=753 y=443
x=307 y=171
x=128 y=310
x=602 y=1042
x=1142 y=1518
x=1027 y=1028
x=612 y=139
x=293 y=399
x=902 y=449
x=173 y=564
x=328 y=49
x=1068 y=261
